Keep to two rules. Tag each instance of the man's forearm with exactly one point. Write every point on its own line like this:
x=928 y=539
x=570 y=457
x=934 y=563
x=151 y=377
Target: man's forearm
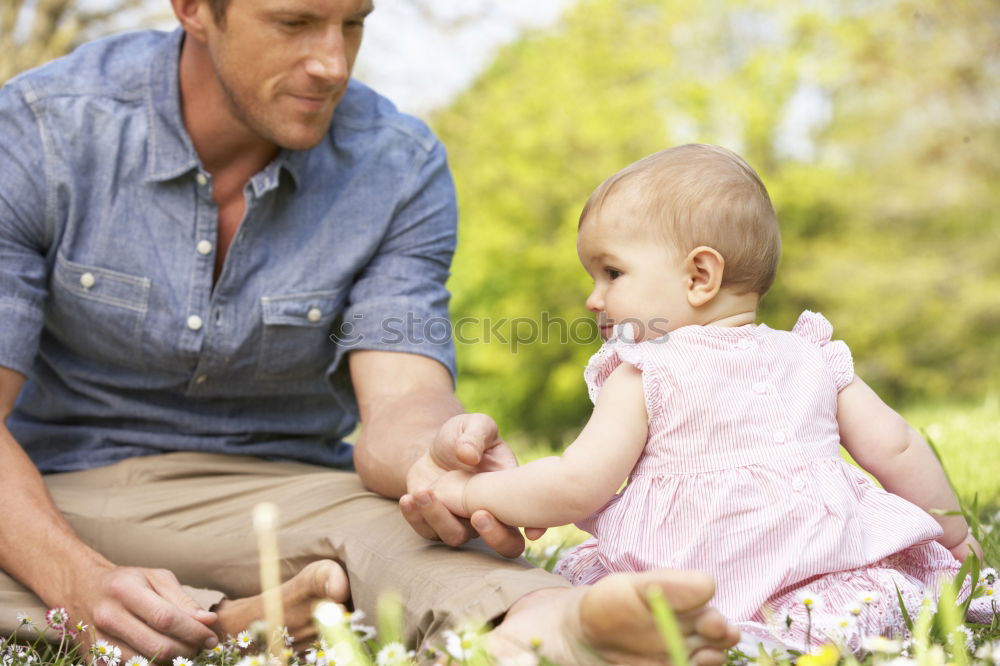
x=396 y=433
x=37 y=540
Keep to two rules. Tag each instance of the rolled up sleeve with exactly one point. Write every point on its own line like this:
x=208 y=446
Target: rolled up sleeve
x=23 y=231
x=399 y=301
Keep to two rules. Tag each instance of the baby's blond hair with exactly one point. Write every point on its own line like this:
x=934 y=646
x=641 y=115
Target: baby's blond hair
x=701 y=194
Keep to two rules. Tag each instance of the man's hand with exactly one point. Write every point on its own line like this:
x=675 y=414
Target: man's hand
x=471 y=443
x=142 y=611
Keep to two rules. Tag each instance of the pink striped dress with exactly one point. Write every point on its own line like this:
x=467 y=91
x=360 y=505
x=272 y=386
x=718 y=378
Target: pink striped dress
x=741 y=476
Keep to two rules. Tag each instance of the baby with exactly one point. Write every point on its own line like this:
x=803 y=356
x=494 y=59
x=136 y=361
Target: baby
x=727 y=431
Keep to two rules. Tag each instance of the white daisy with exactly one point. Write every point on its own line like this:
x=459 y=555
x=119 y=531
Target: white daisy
x=881 y=645
x=812 y=601
x=182 y=661
x=328 y=614
x=137 y=661
x=243 y=639
x=393 y=654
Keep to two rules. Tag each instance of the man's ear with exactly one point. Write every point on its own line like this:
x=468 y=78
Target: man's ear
x=704 y=266
x=193 y=16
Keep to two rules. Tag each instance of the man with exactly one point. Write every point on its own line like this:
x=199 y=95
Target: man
x=184 y=221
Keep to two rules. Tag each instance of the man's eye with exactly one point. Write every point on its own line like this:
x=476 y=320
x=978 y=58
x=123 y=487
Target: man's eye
x=292 y=23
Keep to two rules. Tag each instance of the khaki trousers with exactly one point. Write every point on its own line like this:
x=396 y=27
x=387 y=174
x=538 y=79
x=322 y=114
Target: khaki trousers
x=191 y=513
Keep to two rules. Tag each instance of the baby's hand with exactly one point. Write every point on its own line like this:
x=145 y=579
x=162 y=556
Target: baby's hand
x=450 y=490
x=961 y=551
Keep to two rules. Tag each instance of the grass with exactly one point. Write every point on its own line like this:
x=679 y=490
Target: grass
x=965 y=437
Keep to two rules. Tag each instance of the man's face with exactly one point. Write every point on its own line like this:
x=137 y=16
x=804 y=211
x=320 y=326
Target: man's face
x=284 y=64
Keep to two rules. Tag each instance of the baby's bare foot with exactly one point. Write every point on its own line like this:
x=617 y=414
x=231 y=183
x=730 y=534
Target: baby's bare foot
x=323 y=580
x=611 y=621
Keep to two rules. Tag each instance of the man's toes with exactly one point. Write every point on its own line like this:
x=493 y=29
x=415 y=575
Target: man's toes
x=712 y=625
x=708 y=657
x=683 y=590
x=325 y=579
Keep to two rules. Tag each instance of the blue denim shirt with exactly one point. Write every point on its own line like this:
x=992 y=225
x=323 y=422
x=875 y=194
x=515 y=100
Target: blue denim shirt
x=107 y=249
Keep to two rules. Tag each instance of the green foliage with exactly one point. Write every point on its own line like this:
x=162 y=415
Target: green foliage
x=884 y=182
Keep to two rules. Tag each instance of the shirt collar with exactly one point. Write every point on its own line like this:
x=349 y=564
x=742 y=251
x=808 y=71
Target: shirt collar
x=168 y=145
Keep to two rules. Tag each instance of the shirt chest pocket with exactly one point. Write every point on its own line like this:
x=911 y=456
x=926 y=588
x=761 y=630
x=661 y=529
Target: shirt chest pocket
x=99 y=313
x=296 y=342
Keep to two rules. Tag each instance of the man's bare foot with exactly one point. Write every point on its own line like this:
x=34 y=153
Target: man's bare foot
x=611 y=622
x=323 y=580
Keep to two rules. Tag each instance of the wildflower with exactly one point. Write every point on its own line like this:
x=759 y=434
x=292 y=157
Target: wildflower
x=989 y=652
x=810 y=600
x=57 y=618
x=341 y=655
x=868 y=598
x=393 y=654
x=253 y=660
x=328 y=613
x=182 y=661
x=104 y=651
x=827 y=655
x=317 y=654
x=881 y=645
x=137 y=661
x=365 y=632
x=855 y=608
x=24 y=619
x=970 y=638
x=243 y=640
x=838 y=627
x=80 y=627
x=462 y=644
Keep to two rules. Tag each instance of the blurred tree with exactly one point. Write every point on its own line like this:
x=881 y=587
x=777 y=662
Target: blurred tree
x=875 y=126
x=32 y=32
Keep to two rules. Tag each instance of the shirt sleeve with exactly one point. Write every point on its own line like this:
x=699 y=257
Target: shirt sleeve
x=24 y=235
x=399 y=301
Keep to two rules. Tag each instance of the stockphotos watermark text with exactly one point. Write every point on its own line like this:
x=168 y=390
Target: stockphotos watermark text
x=514 y=332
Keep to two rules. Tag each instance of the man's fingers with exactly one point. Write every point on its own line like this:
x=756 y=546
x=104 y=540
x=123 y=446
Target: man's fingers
x=505 y=540
x=133 y=637
x=167 y=586
x=172 y=623
x=441 y=522
x=411 y=512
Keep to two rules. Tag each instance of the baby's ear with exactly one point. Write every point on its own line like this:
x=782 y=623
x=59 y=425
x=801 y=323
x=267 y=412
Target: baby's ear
x=704 y=266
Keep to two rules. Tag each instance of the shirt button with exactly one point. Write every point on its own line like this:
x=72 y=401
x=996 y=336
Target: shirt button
x=202 y=179
x=87 y=280
x=798 y=485
x=759 y=387
x=194 y=322
x=200 y=379
x=779 y=436
x=314 y=314
x=743 y=343
x=204 y=247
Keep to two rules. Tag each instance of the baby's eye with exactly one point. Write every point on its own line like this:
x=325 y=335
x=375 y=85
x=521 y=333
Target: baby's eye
x=613 y=273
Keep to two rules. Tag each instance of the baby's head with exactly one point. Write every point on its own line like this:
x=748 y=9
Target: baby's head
x=685 y=199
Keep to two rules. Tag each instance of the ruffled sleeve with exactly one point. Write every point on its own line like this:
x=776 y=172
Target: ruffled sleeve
x=814 y=327
x=618 y=349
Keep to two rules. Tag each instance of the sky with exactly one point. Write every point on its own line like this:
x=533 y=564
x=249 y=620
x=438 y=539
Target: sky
x=421 y=63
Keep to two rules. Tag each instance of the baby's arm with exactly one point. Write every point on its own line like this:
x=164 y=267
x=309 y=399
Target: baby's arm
x=883 y=443
x=563 y=489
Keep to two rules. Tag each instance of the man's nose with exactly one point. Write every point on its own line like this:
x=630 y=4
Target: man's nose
x=328 y=61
